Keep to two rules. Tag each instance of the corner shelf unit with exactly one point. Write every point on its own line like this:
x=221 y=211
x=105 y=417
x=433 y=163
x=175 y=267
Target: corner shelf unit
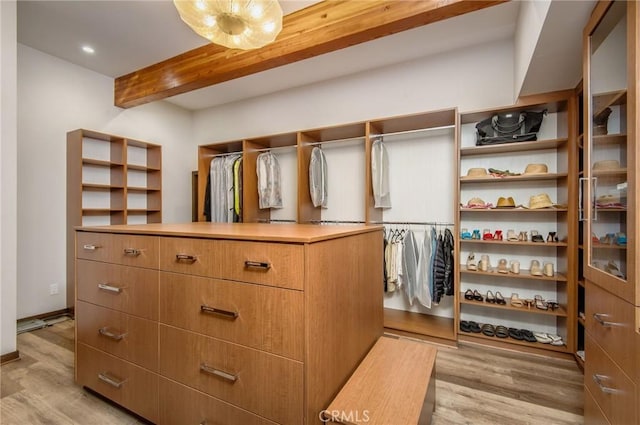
x=110 y=180
x=555 y=148
x=355 y=140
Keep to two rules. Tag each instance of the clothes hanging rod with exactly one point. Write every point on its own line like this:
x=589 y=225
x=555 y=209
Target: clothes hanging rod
x=348 y=139
x=420 y=130
x=264 y=220
x=337 y=222
x=272 y=149
x=213 y=155
x=414 y=223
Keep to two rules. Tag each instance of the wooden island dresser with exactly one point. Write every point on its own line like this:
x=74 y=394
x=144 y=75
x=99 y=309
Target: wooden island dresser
x=205 y=323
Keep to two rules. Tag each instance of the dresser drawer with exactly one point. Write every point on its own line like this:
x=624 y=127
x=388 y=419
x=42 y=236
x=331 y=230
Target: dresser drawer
x=136 y=250
x=262 y=317
x=183 y=405
x=188 y=255
x=128 y=289
x=612 y=390
x=274 y=264
x=267 y=385
x=126 y=384
x=125 y=336
x=610 y=321
x=94 y=246
x=592 y=413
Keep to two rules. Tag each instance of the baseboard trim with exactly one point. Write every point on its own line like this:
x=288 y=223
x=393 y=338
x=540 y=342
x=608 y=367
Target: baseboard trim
x=9 y=357
x=51 y=314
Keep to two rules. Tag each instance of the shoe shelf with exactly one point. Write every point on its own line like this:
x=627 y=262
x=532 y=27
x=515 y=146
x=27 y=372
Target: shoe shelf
x=509 y=340
x=621 y=172
x=560 y=311
x=513 y=147
x=511 y=179
x=102 y=163
x=95 y=186
x=514 y=210
x=607 y=246
x=524 y=274
x=514 y=243
x=609 y=139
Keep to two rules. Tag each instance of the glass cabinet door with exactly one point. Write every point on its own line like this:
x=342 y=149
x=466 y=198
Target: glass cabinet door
x=605 y=183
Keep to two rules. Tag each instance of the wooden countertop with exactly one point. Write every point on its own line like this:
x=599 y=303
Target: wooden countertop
x=272 y=232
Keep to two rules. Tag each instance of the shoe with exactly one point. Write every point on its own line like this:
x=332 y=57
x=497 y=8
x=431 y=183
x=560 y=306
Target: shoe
x=500 y=299
x=548 y=270
x=471 y=262
x=501 y=331
x=464 y=326
x=497 y=236
x=502 y=266
x=540 y=304
x=515 y=267
x=608 y=239
x=490 y=297
x=475 y=234
x=535 y=269
x=536 y=237
x=552 y=305
x=542 y=337
x=515 y=301
x=511 y=236
x=621 y=238
x=465 y=234
x=485 y=264
x=522 y=237
x=468 y=294
x=552 y=237
x=486 y=235
x=555 y=339
x=528 y=335
x=529 y=302
x=612 y=268
x=516 y=334
x=474 y=327
x=488 y=329
x=477 y=295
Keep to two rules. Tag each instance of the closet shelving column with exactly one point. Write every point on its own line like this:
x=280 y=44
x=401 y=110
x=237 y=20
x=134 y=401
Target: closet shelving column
x=439 y=322
x=580 y=288
x=555 y=148
x=330 y=137
x=144 y=182
x=205 y=154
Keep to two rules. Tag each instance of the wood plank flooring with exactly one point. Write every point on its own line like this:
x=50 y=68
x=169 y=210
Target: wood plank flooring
x=475 y=386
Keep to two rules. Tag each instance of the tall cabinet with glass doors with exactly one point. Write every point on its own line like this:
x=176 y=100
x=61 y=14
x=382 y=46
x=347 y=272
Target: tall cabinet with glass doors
x=610 y=210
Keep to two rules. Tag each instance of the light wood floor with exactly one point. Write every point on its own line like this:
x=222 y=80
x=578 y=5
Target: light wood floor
x=475 y=385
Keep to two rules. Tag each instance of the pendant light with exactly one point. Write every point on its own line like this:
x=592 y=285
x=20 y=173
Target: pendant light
x=236 y=24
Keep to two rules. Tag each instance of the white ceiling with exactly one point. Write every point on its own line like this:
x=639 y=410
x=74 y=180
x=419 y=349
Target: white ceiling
x=129 y=35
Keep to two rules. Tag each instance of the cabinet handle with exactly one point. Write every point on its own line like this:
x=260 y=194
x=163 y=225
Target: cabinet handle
x=90 y=247
x=217 y=311
x=598 y=380
x=217 y=372
x=595 y=204
x=581 y=181
x=105 y=332
x=599 y=319
x=134 y=252
x=257 y=265
x=109 y=380
x=107 y=287
x=186 y=257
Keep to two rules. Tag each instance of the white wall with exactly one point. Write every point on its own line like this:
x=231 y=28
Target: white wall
x=530 y=21
x=8 y=172
x=462 y=78
x=55 y=97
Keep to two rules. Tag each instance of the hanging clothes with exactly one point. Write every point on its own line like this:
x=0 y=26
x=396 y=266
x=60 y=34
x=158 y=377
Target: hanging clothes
x=207 y=199
x=269 y=183
x=318 y=178
x=434 y=247
x=438 y=271
x=449 y=262
x=410 y=266
x=423 y=291
x=237 y=190
x=218 y=190
x=228 y=184
x=380 y=175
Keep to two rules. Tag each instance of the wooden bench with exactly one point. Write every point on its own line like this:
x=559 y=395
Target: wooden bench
x=394 y=384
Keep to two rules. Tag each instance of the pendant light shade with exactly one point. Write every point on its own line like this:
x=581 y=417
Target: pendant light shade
x=236 y=24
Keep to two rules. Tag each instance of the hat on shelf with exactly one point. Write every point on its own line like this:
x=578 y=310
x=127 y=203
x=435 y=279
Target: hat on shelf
x=539 y=201
x=606 y=165
x=477 y=203
x=476 y=173
x=536 y=169
x=506 y=202
x=608 y=199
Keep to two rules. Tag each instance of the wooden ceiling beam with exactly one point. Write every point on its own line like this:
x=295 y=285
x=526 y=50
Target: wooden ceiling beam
x=321 y=28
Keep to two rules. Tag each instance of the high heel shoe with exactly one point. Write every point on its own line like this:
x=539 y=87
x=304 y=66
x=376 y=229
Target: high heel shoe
x=500 y=299
x=477 y=295
x=490 y=297
x=468 y=294
x=475 y=234
x=497 y=236
x=552 y=237
x=471 y=262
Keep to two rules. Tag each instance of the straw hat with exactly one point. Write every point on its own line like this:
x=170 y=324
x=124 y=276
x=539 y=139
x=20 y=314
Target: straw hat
x=506 y=202
x=608 y=199
x=540 y=201
x=476 y=173
x=607 y=164
x=475 y=202
x=536 y=169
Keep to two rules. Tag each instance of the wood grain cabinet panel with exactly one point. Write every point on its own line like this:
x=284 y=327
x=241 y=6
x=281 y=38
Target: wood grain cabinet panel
x=610 y=387
x=135 y=250
x=131 y=290
x=274 y=264
x=262 y=317
x=183 y=405
x=189 y=255
x=125 y=383
x=94 y=246
x=268 y=385
x=125 y=336
x=592 y=413
x=610 y=321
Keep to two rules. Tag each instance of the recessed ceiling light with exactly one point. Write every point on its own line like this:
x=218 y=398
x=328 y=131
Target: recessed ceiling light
x=88 y=49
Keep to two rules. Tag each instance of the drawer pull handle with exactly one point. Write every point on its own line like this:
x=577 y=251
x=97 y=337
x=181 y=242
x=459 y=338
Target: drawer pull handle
x=134 y=252
x=598 y=380
x=599 y=319
x=257 y=265
x=90 y=247
x=107 y=287
x=105 y=332
x=186 y=257
x=217 y=311
x=217 y=372
x=109 y=380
